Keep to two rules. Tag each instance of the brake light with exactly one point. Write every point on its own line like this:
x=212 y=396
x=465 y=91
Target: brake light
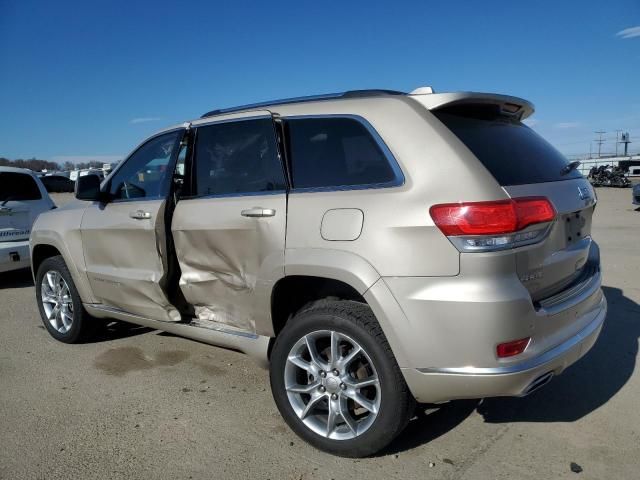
x=510 y=349
x=481 y=226
x=491 y=218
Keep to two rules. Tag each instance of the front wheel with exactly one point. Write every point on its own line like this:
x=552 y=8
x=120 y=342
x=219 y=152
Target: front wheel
x=336 y=381
x=59 y=303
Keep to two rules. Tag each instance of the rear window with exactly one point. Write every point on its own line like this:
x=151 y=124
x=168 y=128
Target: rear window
x=335 y=152
x=18 y=187
x=512 y=152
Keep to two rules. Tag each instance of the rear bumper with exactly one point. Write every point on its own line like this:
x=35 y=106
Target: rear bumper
x=516 y=379
x=14 y=255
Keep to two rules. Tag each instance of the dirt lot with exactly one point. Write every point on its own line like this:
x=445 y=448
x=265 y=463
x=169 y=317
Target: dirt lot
x=142 y=404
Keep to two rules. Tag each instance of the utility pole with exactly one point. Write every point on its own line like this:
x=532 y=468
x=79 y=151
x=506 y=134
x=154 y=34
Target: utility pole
x=617 y=140
x=599 y=141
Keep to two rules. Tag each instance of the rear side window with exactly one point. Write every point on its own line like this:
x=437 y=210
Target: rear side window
x=512 y=152
x=336 y=152
x=237 y=158
x=18 y=187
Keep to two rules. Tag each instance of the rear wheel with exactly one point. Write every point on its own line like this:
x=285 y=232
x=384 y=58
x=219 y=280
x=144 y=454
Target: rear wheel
x=336 y=382
x=59 y=303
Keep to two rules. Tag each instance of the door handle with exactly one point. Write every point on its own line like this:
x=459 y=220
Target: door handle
x=140 y=215
x=257 y=212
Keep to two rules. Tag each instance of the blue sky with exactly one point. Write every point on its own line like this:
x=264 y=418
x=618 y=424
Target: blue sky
x=83 y=80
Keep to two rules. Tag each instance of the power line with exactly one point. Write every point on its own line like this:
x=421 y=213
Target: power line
x=599 y=140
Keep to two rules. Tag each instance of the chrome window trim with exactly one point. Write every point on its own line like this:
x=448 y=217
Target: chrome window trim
x=231 y=195
x=215 y=121
x=397 y=181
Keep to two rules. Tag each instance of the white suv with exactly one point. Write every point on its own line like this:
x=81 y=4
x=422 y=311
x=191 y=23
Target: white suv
x=22 y=198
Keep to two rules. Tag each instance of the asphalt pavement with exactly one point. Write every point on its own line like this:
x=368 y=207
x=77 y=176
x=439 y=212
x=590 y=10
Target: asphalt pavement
x=139 y=403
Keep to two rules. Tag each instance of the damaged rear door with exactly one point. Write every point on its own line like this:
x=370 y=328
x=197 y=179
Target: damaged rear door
x=125 y=238
x=229 y=234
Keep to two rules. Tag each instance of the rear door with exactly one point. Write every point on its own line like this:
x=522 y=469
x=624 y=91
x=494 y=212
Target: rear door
x=229 y=233
x=525 y=165
x=125 y=240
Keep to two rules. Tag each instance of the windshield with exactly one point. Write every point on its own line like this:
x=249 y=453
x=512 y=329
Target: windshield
x=18 y=187
x=512 y=152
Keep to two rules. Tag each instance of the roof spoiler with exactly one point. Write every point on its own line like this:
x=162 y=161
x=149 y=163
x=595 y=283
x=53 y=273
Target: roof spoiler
x=508 y=104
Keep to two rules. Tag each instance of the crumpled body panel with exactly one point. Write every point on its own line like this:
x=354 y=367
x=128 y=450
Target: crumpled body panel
x=126 y=258
x=229 y=262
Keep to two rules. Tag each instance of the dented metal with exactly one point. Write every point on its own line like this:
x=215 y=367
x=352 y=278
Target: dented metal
x=230 y=262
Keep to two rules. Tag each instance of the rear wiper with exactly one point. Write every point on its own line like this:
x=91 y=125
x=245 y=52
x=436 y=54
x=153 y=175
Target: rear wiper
x=571 y=166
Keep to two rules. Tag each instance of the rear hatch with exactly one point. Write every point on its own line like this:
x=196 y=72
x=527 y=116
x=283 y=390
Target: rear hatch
x=526 y=165
x=18 y=193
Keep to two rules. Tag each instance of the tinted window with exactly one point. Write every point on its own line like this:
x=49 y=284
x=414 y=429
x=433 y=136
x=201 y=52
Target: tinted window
x=145 y=174
x=18 y=187
x=512 y=152
x=237 y=157
x=332 y=152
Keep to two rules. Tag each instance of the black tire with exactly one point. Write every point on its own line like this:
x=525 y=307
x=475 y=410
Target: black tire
x=357 y=321
x=82 y=325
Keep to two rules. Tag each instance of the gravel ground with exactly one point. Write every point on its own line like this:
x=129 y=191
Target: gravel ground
x=142 y=404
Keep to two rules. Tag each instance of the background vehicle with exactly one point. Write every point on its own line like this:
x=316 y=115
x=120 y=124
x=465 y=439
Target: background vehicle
x=635 y=194
x=57 y=183
x=22 y=199
x=375 y=248
x=608 y=176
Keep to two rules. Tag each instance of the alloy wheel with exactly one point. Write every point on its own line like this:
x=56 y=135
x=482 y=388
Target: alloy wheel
x=332 y=385
x=57 y=301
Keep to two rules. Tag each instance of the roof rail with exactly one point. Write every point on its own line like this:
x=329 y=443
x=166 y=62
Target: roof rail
x=310 y=98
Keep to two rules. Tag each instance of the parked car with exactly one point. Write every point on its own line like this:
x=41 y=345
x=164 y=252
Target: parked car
x=373 y=248
x=635 y=194
x=57 y=183
x=22 y=199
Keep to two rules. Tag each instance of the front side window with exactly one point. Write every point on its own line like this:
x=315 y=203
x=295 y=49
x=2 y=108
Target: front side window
x=145 y=174
x=335 y=152
x=237 y=157
x=18 y=187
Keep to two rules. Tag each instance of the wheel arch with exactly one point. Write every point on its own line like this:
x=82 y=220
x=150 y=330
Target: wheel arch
x=40 y=253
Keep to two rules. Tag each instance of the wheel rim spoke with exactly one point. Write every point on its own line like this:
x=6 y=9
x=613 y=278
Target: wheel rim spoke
x=334 y=413
x=345 y=361
x=300 y=362
x=369 y=382
x=348 y=420
x=335 y=355
x=313 y=402
x=303 y=388
x=335 y=396
x=313 y=352
x=362 y=401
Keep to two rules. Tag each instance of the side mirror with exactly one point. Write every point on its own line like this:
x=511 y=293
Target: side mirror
x=88 y=188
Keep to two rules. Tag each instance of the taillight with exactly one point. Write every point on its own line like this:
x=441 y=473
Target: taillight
x=510 y=349
x=481 y=226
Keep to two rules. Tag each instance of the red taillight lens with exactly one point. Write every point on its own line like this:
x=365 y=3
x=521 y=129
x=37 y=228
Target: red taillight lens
x=491 y=218
x=509 y=349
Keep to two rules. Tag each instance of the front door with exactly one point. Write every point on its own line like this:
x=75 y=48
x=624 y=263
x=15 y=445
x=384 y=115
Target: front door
x=125 y=239
x=229 y=233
